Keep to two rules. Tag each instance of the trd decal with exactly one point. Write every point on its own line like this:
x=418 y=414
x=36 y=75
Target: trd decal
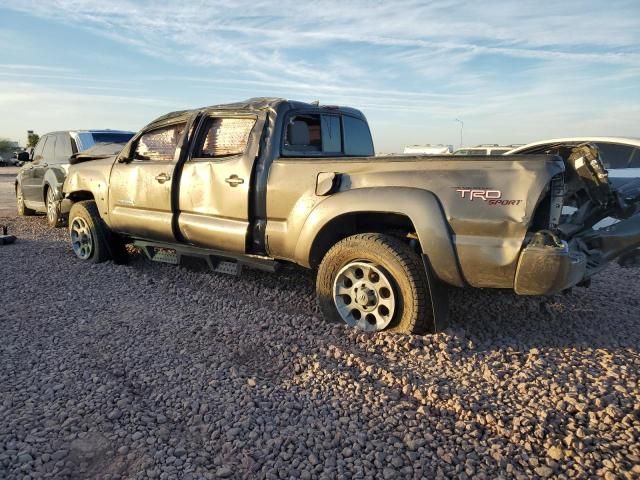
x=492 y=197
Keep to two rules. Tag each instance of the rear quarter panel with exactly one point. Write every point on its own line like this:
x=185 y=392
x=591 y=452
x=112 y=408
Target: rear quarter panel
x=487 y=236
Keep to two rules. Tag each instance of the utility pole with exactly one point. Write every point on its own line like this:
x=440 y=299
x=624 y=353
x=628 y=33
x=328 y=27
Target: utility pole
x=461 y=128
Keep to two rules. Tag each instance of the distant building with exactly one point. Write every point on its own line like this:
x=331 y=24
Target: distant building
x=428 y=149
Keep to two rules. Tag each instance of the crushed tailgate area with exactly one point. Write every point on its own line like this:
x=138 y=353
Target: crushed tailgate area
x=152 y=371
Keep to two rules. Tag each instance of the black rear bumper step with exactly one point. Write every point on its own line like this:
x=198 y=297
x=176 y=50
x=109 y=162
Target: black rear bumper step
x=223 y=262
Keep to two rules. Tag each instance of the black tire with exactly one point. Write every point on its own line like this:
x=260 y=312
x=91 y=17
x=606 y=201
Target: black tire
x=54 y=218
x=85 y=221
x=413 y=312
x=23 y=211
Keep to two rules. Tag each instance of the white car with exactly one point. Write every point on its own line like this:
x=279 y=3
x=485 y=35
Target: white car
x=621 y=158
x=620 y=155
x=484 y=149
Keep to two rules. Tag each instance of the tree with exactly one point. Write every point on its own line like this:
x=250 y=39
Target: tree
x=5 y=145
x=32 y=139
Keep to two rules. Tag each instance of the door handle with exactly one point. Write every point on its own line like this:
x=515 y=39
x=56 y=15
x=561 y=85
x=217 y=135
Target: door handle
x=163 y=177
x=234 y=180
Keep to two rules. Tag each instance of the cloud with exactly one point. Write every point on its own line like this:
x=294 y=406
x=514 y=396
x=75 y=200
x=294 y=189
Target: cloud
x=404 y=61
x=261 y=37
x=46 y=109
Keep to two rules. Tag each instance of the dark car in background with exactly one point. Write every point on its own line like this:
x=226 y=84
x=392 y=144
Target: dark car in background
x=39 y=182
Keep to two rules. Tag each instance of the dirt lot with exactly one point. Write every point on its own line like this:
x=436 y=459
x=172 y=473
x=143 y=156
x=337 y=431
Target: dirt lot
x=7 y=191
x=152 y=371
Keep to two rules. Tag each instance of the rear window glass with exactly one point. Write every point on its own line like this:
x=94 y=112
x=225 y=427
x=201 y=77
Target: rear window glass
x=225 y=137
x=615 y=155
x=635 y=159
x=49 y=149
x=357 y=137
x=110 y=137
x=303 y=134
x=331 y=134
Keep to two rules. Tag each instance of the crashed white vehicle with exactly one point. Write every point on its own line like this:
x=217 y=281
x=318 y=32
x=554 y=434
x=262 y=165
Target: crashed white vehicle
x=620 y=155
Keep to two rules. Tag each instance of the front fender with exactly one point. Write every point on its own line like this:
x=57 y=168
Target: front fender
x=421 y=206
x=92 y=176
x=53 y=179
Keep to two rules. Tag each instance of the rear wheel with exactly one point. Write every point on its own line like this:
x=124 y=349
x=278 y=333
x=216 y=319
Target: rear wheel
x=23 y=211
x=88 y=233
x=54 y=218
x=375 y=282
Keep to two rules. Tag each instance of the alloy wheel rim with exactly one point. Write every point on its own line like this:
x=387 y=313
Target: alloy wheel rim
x=81 y=240
x=20 y=200
x=51 y=206
x=364 y=296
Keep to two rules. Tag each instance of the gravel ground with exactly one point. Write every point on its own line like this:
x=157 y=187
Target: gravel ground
x=152 y=371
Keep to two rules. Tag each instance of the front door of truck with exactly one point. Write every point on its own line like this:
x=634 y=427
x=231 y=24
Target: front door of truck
x=140 y=185
x=215 y=182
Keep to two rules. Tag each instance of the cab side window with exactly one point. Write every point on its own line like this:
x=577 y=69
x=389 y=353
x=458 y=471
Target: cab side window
x=159 y=145
x=303 y=134
x=313 y=135
x=225 y=137
x=63 y=148
x=49 y=152
x=37 y=152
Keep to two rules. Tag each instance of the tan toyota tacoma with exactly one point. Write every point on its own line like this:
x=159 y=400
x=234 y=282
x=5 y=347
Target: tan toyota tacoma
x=267 y=181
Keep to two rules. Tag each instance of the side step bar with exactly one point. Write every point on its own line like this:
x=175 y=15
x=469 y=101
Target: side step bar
x=222 y=262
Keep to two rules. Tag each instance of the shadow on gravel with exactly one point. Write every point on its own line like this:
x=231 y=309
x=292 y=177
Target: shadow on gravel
x=596 y=317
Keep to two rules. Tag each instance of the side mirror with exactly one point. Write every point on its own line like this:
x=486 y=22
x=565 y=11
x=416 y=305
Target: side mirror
x=23 y=156
x=125 y=154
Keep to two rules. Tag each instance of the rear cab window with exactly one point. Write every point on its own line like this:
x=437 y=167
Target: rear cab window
x=326 y=135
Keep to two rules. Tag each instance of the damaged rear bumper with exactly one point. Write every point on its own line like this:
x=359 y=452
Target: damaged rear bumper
x=545 y=269
x=549 y=265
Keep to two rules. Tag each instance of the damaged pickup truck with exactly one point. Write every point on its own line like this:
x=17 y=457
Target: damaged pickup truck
x=268 y=181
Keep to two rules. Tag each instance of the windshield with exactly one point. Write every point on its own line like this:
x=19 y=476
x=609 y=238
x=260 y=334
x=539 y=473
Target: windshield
x=89 y=139
x=111 y=137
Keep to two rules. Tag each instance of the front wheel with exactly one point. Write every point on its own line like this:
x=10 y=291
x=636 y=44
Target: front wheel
x=23 y=211
x=88 y=233
x=54 y=217
x=375 y=282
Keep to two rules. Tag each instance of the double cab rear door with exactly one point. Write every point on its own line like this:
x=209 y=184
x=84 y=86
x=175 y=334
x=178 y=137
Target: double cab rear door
x=187 y=179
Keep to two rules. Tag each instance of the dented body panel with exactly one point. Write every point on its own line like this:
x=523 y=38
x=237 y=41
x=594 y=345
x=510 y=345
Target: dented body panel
x=91 y=177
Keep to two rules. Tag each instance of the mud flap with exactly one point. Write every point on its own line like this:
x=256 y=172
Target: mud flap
x=439 y=292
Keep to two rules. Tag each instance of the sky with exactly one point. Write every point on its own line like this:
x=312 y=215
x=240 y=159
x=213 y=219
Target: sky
x=513 y=72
